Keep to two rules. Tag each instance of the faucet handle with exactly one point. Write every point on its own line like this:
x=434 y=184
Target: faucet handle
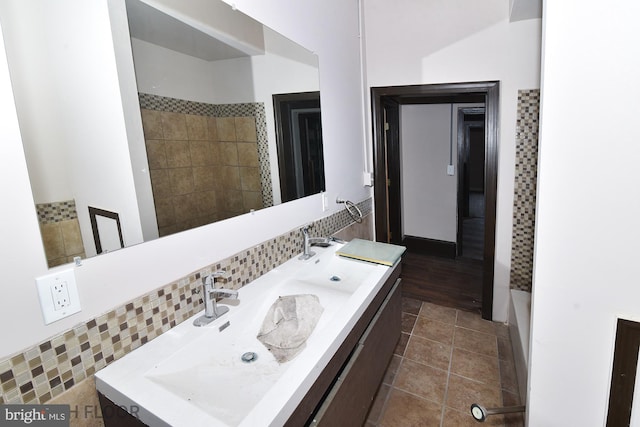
x=209 y=279
x=221 y=273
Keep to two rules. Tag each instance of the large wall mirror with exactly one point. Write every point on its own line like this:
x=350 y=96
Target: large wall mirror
x=201 y=140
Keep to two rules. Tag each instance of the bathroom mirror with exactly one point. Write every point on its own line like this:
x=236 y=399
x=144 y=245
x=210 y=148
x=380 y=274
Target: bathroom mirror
x=205 y=77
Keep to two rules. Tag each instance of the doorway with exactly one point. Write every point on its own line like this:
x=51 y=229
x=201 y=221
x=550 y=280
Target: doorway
x=387 y=141
x=471 y=197
x=299 y=142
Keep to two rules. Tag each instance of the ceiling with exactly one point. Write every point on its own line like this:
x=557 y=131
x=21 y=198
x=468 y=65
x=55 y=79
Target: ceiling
x=153 y=26
x=519 y=10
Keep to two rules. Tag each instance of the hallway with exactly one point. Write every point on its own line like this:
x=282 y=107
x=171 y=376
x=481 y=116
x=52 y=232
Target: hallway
x=446 y=360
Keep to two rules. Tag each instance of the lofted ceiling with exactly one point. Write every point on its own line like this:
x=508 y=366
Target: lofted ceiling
x=154 y=26
x=519 y=10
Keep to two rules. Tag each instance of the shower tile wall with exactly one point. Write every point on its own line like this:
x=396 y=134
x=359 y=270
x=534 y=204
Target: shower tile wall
x=46 y=370
x=524 y=200
x=60 y=232
x=207 y=161
x=203 y=169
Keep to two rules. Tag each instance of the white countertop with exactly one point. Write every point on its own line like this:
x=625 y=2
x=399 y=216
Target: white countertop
x=193 y=376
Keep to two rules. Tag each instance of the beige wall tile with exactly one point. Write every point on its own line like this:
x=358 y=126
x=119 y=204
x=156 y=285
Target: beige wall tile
x=174 y=126
x=161 y=183
x=246 y=129
x=164 y=211
x=165 y=231
x=52 y=240
x=363 y=230
x=201 y=154
x=228 y=153
x=216 y=157
x=250 y=179
x=203 y=178
x=226 y=129
x=178 y=154
x=252 y=200
x=156 y=154
x=186 y=207
x=151 y=124
x=212 y=125
x=248 y=154
x=207 y=203
x=233 y=201
x=72 y=238
x=181 y=181
x=197 y=127
x=230 y=177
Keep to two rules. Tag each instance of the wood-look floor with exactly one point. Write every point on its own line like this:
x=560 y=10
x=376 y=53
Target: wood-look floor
x=453 y=283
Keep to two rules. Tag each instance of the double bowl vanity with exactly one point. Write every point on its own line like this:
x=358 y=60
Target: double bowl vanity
x=222 y=375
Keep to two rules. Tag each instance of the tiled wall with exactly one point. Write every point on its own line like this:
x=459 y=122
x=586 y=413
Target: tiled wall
x=60 y=232
x=203 y=169
x=254 y=109
x=524 y=200
x=50 y=368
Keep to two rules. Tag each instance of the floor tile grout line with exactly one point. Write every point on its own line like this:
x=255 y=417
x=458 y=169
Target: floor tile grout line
x=403 y=358
x=446 y=387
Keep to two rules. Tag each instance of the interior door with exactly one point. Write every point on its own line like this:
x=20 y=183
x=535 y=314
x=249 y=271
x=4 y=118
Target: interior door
x=391 y=114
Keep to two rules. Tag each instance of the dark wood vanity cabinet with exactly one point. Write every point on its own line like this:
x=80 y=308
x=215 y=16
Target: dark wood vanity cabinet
x=344 y=392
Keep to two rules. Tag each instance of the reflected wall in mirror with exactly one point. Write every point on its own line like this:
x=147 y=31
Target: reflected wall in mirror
x=204 y=79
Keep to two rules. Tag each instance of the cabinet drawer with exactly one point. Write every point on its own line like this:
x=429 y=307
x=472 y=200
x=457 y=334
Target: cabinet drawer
x=349 y=400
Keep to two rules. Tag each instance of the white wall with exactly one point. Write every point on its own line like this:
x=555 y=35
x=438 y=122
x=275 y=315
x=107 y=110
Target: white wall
x=442 y=42
x=586 y=253
x=429 y=198
x=76 y=109
x=328 y=28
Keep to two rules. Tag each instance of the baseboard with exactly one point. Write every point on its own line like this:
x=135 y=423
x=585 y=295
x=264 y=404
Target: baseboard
x=430 y=246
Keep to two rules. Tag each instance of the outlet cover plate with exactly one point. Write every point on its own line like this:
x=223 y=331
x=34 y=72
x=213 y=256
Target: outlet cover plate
x=49 y=286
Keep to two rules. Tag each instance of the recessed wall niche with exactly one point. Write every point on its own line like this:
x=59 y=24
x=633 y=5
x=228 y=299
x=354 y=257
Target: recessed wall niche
x=207 y=162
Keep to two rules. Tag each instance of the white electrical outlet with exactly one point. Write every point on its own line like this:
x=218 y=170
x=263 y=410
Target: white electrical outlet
x=58 y=295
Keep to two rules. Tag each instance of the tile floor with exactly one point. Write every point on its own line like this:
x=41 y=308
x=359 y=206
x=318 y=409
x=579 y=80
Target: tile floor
x=446 y=360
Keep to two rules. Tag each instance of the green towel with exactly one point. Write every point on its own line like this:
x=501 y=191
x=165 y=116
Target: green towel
x=377 y=252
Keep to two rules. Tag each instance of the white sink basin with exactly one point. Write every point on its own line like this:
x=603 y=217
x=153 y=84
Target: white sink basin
x=196 y=376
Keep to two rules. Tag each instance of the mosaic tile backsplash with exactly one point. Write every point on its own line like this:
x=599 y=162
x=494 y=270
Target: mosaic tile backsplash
x=524 y=200
x=47 y=369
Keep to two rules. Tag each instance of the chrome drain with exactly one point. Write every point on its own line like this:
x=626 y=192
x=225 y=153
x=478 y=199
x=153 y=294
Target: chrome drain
x=335 y=278
x=249 y=357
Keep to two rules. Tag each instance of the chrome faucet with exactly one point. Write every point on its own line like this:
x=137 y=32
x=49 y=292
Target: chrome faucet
x=211 y=309
x=311 y=241
x=307 y=252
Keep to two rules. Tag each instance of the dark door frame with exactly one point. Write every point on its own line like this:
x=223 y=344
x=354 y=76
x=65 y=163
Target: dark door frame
x=487 y=92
